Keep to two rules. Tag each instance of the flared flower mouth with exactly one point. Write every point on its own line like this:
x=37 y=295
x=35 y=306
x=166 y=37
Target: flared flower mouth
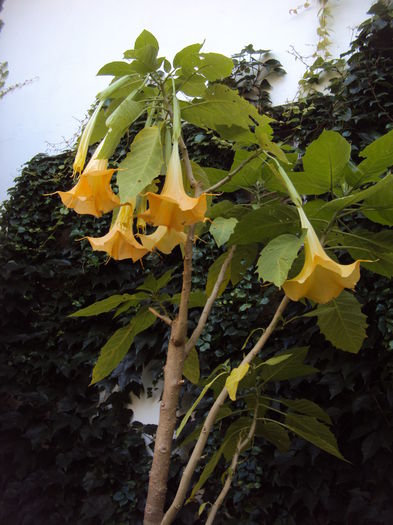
x=163 y=239
x=92 y=194
x=120 y=242
x=173 y=207
x=321 y=279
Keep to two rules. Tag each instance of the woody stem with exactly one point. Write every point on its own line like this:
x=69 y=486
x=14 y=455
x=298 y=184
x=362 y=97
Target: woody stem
x=172 y=385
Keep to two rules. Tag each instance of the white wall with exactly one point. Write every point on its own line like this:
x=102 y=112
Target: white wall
x=61 y=44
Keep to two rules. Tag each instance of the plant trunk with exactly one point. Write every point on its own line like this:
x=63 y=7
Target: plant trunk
x=162 y=450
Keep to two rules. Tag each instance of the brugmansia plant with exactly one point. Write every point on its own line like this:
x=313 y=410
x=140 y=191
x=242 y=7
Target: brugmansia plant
x=293 y=230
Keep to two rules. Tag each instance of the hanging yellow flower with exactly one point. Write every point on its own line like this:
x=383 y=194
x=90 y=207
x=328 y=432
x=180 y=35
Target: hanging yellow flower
x=120 y=242
x=92 y=194
x=173 y=207
x=163 y=239
x=321 y=279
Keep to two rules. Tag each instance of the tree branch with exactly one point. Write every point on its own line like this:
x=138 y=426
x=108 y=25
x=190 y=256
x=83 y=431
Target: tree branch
x=211 y=417
x=241 y=445
x=209 y=303
x=230 y=175
x=167 y=320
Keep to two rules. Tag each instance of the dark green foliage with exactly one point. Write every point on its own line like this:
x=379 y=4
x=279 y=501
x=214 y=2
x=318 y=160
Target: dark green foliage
x=68 y=454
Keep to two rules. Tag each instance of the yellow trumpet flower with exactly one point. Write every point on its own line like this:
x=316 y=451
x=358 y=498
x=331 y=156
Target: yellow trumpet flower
x=120 y=242
x=92 y=194
x=173 y=207
x=163 y=239
x=321 y=279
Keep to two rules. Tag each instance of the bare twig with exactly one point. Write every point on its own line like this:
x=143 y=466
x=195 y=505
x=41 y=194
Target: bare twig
x=164 y=318
x=210 y=302
x=211 y=417
x=187 y=163
x=241 y=445
x=230 y=175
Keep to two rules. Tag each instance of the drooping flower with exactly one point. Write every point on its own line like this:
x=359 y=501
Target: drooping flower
x=321 y=279
x=163 y=239
x=84 y=140
x=120 y=242
x=173 y=207
x=92 y=194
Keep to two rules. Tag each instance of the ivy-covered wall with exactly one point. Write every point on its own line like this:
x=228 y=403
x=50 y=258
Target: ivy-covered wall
x=68 y=452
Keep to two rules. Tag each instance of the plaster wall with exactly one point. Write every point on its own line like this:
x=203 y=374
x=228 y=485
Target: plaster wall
x=61 y=44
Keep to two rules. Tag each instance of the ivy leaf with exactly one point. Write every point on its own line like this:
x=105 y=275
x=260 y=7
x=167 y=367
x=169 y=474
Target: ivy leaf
x=141 y=165
x=342 y=322
x=222 y=229
x=118 y=345
x=277 y=257
x=274 y=433
x=325 y=159
x=312 y=430
x=191 y=369
x=234 y=378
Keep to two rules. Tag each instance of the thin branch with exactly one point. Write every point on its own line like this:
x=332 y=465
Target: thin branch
x=241 y=445
x=187 y=164
x=230 y=175
x=164 y=318
x=211 y=417
x=210 y=302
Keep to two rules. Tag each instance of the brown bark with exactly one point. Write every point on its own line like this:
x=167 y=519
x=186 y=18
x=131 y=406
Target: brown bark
x=170 y=398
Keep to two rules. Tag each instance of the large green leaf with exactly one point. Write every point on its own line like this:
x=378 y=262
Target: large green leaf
x=379 y=207
x=191 y=369
x=308 y=408
x=245 y=178
x=116 y=69
x=378 y=157
x=342 y=322
x=243 y=257
x=341 y=203
x=363 y=244
x=118 y=345
x=222 y=229
x=146 y=39
x=141 y=165
x=215 y=66
x=312 y=430
x=125 y=114
x=154 y=285
x=264 y=224
x=212 y=275
x=277 y=257
x=219 y=106
x=324 y=161
x=274 y=433
x=108 y=304
x=286 y=365
x=188 y=57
